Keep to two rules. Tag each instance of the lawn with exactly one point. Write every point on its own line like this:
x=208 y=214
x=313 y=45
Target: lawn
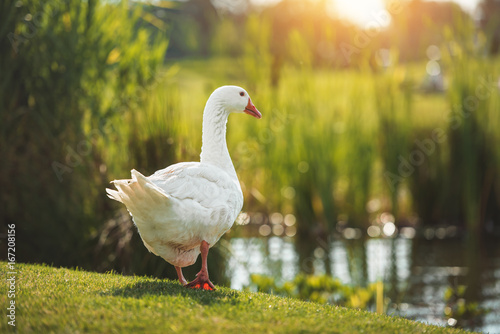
x=56 y=300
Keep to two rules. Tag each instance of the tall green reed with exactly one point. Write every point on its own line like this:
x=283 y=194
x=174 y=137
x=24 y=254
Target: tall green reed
x=473 y=153
x=458 y=182
x=68 y=68
x=393 y=103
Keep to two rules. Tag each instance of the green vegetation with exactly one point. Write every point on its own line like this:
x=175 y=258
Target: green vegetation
x=322 y=289
x=69 y=68
x=53 y=300
x=457 y=306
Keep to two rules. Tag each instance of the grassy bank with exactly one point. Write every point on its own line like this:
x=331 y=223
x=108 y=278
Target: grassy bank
x=53 y=300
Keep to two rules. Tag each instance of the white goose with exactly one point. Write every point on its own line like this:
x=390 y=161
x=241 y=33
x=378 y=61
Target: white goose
x=184 y=209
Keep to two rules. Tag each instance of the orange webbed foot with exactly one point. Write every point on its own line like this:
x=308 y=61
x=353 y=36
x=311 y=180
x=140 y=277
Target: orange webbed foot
x=201 y=282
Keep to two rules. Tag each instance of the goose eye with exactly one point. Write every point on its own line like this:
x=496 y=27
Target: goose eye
x=242 y=94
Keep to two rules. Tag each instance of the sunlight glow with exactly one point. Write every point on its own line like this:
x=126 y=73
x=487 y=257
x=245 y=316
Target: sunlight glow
x=359 y=11
x=362 y=12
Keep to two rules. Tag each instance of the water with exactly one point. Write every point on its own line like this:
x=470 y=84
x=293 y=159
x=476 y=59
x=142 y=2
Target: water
x=416 y=272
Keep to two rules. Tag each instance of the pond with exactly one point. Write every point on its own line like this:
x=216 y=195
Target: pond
x=416 y=272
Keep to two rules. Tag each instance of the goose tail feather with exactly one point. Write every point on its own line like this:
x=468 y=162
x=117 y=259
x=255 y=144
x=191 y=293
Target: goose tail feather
x=138 y=193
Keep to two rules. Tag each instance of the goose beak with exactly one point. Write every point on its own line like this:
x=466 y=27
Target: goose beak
x=251 y=110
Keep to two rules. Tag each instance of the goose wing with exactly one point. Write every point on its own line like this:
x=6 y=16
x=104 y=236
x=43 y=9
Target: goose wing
x=179 y=206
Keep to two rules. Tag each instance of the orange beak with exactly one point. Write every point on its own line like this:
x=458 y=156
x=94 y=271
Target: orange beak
x=251 y=110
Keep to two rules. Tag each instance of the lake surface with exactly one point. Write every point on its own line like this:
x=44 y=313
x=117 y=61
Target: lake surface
x=416 y=271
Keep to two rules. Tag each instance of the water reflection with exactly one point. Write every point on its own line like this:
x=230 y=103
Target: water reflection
x=416 y=272
x=273 y=257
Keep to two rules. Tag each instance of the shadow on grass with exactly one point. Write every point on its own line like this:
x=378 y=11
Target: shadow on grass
x=162 y=288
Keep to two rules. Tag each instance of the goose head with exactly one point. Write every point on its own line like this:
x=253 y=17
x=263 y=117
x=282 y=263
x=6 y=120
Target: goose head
x=235 y=99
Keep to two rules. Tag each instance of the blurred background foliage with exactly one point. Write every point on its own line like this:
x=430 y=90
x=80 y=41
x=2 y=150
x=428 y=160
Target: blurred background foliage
x=399 y=116
x=320 y=289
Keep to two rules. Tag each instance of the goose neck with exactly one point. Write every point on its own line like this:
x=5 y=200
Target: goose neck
x=214 y=147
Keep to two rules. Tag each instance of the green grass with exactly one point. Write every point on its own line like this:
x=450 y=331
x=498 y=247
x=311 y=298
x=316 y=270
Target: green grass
x=51 y=300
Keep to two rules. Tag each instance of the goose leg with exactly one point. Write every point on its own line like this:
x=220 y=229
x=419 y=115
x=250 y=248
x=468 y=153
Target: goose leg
x=202 y=281
x=180 y=275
